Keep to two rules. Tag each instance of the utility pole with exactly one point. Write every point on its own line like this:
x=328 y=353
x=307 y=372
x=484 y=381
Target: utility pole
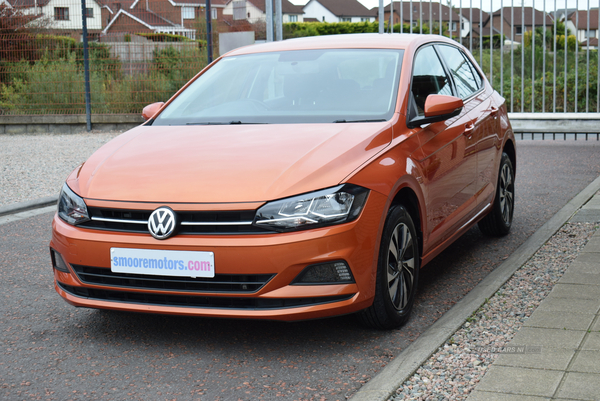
x=381 y=16
x=269 y=12
x=279 y=21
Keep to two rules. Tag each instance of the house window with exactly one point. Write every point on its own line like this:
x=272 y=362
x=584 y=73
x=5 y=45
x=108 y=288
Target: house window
x=345 y=19
x=454 y=25
x=61 y=13
x=89 y=13
x=187 y=12
x=590 y=34
x=364 y=19
x=239 y=10
x=213 y=12
x=519 y=30
x=293 y=18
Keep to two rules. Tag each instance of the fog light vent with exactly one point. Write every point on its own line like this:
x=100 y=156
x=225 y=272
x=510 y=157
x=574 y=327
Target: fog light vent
x=57 y=261
x=336 y=272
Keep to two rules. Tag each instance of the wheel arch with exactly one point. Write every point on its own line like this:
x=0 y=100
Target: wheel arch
x=408 y=198
x=510 y=150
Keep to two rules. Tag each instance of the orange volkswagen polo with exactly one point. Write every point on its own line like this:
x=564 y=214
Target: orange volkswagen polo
x=291 y=180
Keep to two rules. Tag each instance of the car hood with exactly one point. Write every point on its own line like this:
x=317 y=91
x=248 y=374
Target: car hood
x=214 y=164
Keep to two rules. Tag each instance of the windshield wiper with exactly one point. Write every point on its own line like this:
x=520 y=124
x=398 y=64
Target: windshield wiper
x=234 y=122
x=377 y=120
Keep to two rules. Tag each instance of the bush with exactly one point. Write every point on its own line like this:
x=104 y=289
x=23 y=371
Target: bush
x=51 y=87
x=178 y=66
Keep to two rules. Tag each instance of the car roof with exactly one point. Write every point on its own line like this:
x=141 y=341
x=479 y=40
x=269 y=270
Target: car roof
x=347 y=41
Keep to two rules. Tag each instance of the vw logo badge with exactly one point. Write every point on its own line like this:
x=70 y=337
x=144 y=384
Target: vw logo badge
x=161 y=223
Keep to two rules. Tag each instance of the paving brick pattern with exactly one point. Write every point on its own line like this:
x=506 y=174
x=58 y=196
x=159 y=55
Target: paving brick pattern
x=566 y=326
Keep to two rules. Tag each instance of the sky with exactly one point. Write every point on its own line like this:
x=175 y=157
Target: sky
x=487 y=5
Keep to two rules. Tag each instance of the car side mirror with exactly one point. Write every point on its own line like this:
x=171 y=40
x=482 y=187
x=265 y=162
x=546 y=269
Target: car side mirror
x=438 y=108
x=150 y=111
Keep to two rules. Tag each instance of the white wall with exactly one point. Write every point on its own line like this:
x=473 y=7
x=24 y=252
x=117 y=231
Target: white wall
x=255 y=13
x=314 y=9
x=74 y=21
x=286 y=17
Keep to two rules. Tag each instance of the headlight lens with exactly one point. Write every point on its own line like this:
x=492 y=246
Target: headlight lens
x=71 y=208
x=329 y=206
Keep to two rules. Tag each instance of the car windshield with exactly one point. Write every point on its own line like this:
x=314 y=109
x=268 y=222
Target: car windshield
x=305 y=86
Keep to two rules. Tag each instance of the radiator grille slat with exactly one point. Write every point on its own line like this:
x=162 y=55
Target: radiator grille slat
x=190 y=222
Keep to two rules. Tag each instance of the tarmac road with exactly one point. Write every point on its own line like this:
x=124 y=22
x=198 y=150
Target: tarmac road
x=50 y=350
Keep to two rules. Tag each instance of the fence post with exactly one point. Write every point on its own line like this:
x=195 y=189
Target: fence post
x=86 y=67
x=209 y=32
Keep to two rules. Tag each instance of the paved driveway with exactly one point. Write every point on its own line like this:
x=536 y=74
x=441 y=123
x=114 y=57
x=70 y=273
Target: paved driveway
x=51 y=350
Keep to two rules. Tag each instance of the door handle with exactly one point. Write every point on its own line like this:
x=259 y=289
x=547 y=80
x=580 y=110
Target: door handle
x=469 y=127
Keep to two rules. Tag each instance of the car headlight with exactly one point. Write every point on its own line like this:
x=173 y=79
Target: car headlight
x=329 y=206
x=72 y=208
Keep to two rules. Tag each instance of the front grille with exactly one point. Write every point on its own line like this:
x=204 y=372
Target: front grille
x=246 y=283
x=198 y=301
x=190 y=222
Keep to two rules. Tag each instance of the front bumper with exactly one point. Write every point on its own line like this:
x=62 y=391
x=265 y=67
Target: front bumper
x=277 y=257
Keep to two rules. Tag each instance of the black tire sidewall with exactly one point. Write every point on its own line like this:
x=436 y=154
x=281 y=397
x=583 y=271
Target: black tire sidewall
x=383 y=303
x=505 y=227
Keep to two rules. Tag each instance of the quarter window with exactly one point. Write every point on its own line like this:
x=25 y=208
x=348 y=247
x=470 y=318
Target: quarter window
x=463 y=73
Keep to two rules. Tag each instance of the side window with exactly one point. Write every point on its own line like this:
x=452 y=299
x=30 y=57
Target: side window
x=429 y=78
x=465 y=76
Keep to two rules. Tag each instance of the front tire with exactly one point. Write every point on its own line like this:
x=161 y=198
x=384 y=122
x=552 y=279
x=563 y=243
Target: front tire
x=397 y=273
x=497 y=223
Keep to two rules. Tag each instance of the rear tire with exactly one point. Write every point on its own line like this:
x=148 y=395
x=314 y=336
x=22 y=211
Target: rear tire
x=498 y=222
x=397 y=273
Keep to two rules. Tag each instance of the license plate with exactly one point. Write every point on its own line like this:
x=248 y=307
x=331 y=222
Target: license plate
x=162 y=263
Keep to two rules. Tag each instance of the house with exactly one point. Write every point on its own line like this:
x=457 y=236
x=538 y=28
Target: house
x=255 y=10
x=338 y=11
x=424 y=12
x=562 y=13
x=157 y=16
x=61 y=15
x=578 y=22
x=514 y=21
x=592 y=43
x=476 y=20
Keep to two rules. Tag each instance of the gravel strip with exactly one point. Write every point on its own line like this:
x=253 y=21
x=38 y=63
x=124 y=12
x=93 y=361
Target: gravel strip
x=456 y=368
x=35 y=166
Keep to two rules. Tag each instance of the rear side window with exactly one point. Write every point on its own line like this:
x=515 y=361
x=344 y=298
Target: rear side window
x=465 y=76
x=429 y=78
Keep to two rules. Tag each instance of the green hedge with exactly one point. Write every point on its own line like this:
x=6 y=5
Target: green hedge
x=168 y=37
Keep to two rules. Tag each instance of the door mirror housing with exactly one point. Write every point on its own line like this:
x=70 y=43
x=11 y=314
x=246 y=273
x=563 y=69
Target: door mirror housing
x=150 y=111
x=438 y=108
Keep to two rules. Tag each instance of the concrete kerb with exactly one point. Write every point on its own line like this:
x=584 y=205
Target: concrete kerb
x=402 y=367
x=28 y=205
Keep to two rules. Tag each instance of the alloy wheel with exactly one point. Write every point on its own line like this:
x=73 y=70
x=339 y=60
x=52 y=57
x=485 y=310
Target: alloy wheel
x=400 y=266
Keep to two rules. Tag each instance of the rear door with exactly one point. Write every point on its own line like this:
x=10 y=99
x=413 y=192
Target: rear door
x=483 y=112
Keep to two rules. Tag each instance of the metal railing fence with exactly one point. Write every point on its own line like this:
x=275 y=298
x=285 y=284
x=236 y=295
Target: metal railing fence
x=539 y=59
